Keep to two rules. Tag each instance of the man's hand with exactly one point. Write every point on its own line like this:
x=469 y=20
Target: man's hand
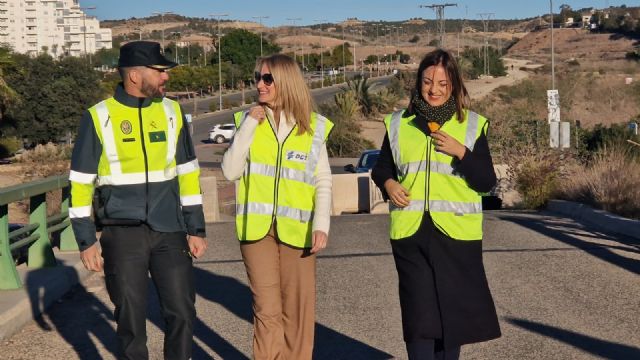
x=92 y=258
x=318 y=241
x=197 y=245
x=257 y=112
x=397 y=193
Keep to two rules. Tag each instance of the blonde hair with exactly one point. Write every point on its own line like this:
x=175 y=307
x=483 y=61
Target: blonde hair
x=292 y=94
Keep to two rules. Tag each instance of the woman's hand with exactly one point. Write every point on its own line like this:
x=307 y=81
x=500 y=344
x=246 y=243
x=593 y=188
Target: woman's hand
x=318 y=241
x=257 y=112
x=445 y=143
x=397 y=193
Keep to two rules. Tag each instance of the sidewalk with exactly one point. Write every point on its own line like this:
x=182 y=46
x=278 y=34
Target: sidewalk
x=42 y=287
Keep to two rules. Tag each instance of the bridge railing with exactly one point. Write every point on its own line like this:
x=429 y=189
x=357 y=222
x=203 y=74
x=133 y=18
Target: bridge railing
x=33 y=240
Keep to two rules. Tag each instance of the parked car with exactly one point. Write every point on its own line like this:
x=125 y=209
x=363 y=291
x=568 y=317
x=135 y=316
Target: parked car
x=366 y=162
x=221 y=133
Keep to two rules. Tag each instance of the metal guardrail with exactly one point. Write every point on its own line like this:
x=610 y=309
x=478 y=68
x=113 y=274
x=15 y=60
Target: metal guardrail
x=34 y=237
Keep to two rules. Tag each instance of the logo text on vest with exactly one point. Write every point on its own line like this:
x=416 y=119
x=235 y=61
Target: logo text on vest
x=297 y=156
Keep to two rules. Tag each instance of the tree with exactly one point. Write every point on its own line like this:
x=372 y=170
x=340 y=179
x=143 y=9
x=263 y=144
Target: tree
x=336 y=59
x=242 y=48
x=8 y=96
x=108 y=57
x=57 y=93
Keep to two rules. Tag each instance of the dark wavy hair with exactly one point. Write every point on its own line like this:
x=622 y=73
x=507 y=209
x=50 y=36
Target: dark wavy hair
x=459 y=91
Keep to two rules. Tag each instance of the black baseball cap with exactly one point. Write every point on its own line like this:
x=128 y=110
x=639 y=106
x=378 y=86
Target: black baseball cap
x=143 y=53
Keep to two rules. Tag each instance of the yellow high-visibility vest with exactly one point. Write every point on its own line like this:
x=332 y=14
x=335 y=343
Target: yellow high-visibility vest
x=279 y=182
x=429 y=176
x=122 y=162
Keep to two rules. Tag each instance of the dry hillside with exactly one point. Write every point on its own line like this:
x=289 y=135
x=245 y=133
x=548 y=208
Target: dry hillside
x=572 y=43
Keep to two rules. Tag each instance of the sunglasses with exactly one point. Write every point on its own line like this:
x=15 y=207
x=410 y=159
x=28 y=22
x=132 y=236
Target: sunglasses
x=267 y=78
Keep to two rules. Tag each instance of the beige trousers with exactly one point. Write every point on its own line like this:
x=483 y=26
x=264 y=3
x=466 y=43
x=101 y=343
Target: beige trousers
x=283 y=283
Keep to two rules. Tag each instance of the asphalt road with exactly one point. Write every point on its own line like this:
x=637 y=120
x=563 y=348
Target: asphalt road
x=562 y=291
x=204 y=122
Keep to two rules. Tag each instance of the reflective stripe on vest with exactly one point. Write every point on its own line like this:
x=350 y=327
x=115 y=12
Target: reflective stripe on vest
x=267 y=209
x=170 y=113
x=108 y=140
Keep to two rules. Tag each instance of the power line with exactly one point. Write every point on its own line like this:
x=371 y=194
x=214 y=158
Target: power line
x=485 y=22
x=439 y=9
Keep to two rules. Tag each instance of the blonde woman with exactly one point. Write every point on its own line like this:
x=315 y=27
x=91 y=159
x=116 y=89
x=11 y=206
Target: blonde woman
x=283 y=206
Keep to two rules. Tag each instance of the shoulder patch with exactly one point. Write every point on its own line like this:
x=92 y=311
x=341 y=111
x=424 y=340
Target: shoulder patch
x=125 y=127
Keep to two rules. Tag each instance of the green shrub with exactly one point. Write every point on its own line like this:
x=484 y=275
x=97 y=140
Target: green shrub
x=345 y=139
x=609 y=181
x=213 y=106
x=9 y=146
x=347 y=103
x=537 y=178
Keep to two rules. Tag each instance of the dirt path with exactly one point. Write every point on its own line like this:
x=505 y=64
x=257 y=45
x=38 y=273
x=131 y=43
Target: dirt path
x=374 y=131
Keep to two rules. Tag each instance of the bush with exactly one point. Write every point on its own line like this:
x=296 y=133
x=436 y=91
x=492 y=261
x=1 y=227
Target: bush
x=46 y=160
x=9 y=146
x=213 y=106
x=537 y=179
x=609 y=181
x=345 y=139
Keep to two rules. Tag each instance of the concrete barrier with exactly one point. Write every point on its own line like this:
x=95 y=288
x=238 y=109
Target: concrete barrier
x=210 y=205
x=356 y=193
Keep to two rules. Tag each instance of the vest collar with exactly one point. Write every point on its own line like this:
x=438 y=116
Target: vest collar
x=129 y=100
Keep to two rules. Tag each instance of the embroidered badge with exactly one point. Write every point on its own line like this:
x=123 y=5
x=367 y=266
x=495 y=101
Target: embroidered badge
x=157 y=136
x=296 y=156
x=125 y=126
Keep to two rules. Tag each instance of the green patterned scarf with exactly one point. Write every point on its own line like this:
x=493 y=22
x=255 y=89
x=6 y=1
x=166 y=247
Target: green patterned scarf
x=439 y=114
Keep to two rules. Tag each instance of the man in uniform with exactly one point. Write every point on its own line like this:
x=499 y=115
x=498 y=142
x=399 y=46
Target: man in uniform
x=135 y=165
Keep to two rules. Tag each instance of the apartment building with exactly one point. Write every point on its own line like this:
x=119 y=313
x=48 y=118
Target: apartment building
x=57 y=27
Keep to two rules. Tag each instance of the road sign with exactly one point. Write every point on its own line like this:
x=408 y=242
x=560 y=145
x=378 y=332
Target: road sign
x=553 y=105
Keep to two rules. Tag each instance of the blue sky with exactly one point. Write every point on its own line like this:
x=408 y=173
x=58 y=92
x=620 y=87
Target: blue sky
x=332 y=10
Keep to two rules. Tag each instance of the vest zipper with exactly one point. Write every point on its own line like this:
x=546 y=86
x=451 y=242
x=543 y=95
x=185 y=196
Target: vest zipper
x=146 y=163
x=276 y=185
x=428 y=188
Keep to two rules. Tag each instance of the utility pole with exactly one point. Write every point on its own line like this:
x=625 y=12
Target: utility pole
x=162 y=14
x=485 y=23
x=84 y=28
x=260 y=17
x=293 y=22
x=553 y=64
x=218 y=16
x=439 y=9
x=321 y=21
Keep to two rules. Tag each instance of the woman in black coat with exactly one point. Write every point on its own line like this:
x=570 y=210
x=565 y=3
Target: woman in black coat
x=436 y=226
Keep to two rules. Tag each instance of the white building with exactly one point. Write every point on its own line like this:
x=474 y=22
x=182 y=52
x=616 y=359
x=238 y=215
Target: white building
x=58 y=27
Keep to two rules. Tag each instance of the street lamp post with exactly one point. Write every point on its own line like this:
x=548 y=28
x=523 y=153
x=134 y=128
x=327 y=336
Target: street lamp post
x=321 y=52
x=553 y=65
x=162 y=14
x=84 y=28
x=218 y=16
x=293 y=22
x=260 y=17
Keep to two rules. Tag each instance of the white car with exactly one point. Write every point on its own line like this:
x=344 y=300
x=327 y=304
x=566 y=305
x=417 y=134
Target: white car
x=222 y=132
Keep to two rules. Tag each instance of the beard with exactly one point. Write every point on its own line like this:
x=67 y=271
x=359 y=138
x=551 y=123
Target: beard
x=151 y=91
